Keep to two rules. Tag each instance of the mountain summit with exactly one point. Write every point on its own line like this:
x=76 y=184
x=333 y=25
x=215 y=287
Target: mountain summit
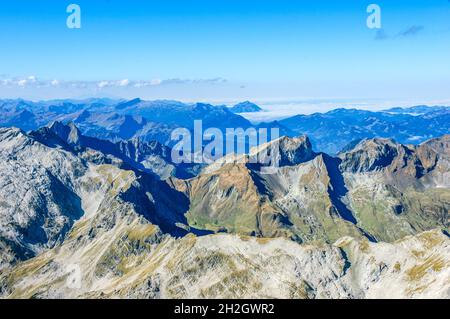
x=245 y=107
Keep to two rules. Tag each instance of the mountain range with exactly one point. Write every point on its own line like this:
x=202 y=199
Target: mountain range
x=87 y=217
x=329 y=132
x=332 y=131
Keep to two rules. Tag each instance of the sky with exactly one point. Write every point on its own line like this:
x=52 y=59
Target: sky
x=227 y=50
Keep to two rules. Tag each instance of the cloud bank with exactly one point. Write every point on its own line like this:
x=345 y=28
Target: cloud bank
x=33 y=82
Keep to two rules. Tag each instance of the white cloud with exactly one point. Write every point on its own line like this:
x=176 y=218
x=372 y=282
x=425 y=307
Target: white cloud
x=34 y=82
x=155 y=82
x=124 y=82
x=22 y=83
x=103 y=84
x=194 y=81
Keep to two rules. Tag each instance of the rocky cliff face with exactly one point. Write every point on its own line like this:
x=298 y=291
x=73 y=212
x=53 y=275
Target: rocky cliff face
x=38 y=202
x=45 y=190
x=402 y=165
x=395 y=190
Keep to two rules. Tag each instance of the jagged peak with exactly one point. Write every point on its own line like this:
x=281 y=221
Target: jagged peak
x=369 y=143
x=284 y=141
x=69 y=132
x=371 y=146
x=4 y=130
x=374 y=144
x=291 y=150
x=439 y=144
x=371 y=154
x=57 y=125
x=13 y=139
x=7 y=133
x=140 y=147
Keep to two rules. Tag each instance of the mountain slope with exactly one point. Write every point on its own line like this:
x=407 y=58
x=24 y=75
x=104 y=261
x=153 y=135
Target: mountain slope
x=143 y=265
x=46 y=188
x=396 y=190
x=298 y=201
x=116 y=127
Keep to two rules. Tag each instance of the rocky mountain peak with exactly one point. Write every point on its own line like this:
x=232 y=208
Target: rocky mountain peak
x=440 y=145
x=68 y=133
x=289 y=150
x=12 y=139
x=10 y=132
x=404 y=166
x=369 y=155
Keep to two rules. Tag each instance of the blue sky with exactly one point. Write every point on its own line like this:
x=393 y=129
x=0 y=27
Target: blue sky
x=225 y=50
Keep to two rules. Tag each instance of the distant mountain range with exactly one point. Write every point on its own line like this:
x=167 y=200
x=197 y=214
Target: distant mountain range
x=122 y=120
x=329 y=132
x=418 y=110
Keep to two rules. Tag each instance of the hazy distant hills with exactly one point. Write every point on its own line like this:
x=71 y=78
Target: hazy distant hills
x=146 y=121
x=329 y=132
x=418 y=110
x=181 y=114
